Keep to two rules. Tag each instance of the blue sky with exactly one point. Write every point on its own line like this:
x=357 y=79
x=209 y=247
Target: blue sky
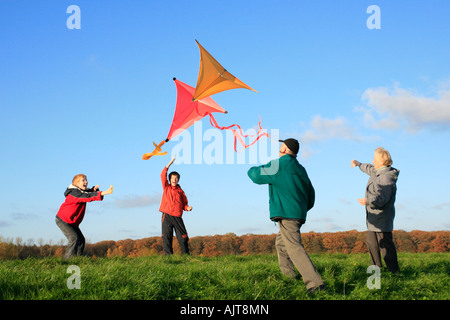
x=92 y=100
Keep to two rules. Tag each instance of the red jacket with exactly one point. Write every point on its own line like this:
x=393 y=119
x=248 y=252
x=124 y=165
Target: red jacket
x=73 y=209
x=173 y=200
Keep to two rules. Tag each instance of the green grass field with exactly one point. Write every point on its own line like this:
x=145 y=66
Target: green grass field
x=257 y=277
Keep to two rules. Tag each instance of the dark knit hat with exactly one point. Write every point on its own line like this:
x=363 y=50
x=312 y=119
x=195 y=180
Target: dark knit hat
x=292 y=144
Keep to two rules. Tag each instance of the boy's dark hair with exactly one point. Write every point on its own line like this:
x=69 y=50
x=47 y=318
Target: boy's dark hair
x=174 y=173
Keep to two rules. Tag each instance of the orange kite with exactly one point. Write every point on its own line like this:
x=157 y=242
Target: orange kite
x=213 y=78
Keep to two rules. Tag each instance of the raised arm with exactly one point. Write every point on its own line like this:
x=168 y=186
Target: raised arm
x=364 y=167
x=170 y=163
x=264 y=174
x=164 y=181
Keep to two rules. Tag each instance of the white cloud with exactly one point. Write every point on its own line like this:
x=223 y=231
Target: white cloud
x=323 y=129
x=399 y=108
x=138 y=201
x=325 y=224
x=23 y=216
x=441 y=206
x=345 y=201
x=390 y=109
x=4 y=223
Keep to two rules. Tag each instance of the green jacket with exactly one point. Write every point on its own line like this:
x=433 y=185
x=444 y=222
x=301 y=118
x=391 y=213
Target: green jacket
x=291 y=193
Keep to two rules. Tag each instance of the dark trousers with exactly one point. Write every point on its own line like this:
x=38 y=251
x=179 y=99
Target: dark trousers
x=168 y=224
x=382 y=242
x=76 y=241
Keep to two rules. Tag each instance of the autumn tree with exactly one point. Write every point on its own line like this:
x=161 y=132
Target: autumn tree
x=312 y=242
x=99 y=249
x=403 y=241
x=335 y=242
x=196 y=245
x=346 y=242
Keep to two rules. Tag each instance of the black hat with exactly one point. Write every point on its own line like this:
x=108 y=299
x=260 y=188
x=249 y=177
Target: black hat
x=292 y=144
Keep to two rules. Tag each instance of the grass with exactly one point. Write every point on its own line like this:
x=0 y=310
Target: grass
x=423 y=276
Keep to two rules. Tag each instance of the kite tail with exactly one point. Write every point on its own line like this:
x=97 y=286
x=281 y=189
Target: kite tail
x=238 y=133
x=156 y=152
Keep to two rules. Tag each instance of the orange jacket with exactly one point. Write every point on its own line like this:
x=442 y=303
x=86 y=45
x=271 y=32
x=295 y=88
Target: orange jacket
x=174 y=200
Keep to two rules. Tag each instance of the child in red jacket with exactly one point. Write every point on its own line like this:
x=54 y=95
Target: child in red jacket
x=72 y=211
x=173 y=203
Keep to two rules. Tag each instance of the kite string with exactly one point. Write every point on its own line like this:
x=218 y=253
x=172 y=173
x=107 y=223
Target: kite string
x=238 y=135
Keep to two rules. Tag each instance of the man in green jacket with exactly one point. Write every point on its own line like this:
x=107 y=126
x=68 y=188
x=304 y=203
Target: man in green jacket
x=291 y=196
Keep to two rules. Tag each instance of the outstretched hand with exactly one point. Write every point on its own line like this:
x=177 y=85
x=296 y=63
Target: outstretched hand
x=108 y=191
x=170 y=163
x=355 y=163
x=362 y=202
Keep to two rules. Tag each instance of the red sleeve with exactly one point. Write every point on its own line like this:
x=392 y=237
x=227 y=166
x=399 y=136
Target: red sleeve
x=164 y=181
x=94 y=196
x=185 y=202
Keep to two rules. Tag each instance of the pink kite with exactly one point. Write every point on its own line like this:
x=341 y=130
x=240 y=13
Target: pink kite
x=187 y=112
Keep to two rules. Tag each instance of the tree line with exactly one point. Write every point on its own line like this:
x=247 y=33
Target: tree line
x=328 y=242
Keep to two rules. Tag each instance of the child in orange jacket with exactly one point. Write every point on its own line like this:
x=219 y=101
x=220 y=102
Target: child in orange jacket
x=173 y=203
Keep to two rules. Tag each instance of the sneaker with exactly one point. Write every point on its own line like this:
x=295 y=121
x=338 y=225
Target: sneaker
x=316 y=289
